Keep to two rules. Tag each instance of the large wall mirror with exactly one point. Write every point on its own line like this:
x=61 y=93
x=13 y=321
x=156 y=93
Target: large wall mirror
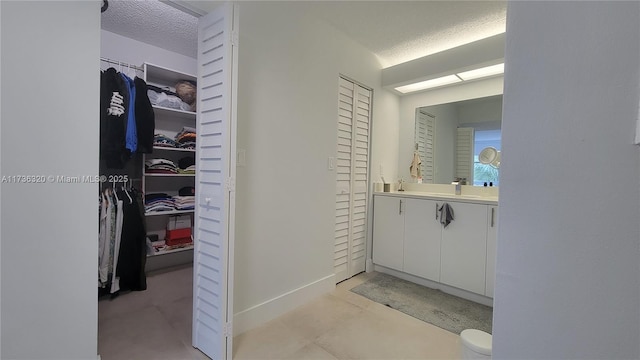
x=449 y=138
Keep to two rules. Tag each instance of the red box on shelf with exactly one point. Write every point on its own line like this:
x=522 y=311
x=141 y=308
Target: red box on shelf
x=178 y=236
x=179 y=241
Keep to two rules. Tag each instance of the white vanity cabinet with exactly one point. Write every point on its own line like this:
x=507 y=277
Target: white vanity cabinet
x=492 y=235
x=422 y=232
x=388 y=230
x=464 y=248
x=408 y=237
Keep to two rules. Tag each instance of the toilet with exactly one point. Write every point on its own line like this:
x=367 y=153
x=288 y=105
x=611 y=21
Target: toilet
x=476 y=344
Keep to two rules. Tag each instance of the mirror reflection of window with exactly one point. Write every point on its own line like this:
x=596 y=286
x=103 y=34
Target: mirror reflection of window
x=484 y=172
x=446 y=161
x=424 y=138
x=465 y=145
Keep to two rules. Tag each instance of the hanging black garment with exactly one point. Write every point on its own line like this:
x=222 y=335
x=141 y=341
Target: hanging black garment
x=133 y=248
x=145 y=118
x=114 y=106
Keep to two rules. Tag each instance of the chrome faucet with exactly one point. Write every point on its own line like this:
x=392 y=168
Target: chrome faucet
x=458 y=183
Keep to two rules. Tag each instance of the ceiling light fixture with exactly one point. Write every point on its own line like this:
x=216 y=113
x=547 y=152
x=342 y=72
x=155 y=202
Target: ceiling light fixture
x=451 y=79
x=422 y=85
x=482 y=72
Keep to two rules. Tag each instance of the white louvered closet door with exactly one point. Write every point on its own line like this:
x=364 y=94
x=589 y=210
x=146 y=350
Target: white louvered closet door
x=215 y=184
x=464 y=154
x=352 y=174
x=425 y=130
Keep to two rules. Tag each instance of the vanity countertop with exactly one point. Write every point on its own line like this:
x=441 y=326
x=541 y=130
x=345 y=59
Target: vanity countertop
x=475 y=199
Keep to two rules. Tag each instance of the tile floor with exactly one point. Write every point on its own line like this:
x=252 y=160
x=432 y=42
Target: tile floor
x=156 y=324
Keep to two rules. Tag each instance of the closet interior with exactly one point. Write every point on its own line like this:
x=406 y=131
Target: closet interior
x=147 y=159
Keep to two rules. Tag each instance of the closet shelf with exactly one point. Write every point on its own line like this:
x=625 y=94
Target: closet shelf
x=172 y=212
x=165 y=75
x=170 y=175
x=168 y=122
x=174 y=113
x=164 y=148
x=163 y=252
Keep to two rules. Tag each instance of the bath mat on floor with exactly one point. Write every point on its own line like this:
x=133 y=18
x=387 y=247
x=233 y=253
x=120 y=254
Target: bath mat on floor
x=433 y=306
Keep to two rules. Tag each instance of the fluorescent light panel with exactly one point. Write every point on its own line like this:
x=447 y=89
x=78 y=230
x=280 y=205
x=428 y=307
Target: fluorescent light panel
x=445 y=80
x=482 y=72
x=450 y=79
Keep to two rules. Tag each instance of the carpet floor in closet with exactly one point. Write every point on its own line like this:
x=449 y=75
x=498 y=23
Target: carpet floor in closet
x=156 y=324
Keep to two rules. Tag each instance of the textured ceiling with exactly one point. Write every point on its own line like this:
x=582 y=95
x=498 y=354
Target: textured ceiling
x=399 y=31
x=154 y=23
x=396 y=31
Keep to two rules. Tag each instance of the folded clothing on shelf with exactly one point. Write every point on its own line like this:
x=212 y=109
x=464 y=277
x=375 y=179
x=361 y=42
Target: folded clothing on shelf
x=186 y=130
x=160 y=166
x=186 y=138
x=186 y=161
x=166 y=99
x=186 y=165
x=155 y=202
x=164 y=141
x=187 y=191
x=191 y=145
x=184 y=202
x=158 y=202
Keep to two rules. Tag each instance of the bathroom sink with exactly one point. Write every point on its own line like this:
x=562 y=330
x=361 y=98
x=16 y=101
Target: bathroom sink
x=463 y=196
x=451 y=196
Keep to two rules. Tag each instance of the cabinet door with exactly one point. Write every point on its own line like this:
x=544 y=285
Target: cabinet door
x=492 y=235
x=422 y=232
x=388 y=231
x=464 y=248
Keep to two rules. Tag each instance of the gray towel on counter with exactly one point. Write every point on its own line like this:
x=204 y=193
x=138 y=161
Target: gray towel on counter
x=446 y=214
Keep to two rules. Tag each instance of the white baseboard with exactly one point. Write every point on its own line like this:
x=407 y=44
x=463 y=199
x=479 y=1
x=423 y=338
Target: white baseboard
x=271 y=309
x=480 y=299
x=369 y=265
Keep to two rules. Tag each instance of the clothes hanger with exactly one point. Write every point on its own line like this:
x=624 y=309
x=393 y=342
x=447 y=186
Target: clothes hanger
x=115 y=193
x=106 y=197
x=103 y=196
x=126 y=192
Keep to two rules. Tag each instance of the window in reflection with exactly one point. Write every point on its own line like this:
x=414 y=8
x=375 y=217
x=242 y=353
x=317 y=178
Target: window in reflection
x=483 y=172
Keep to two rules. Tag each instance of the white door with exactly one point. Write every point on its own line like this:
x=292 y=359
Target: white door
x=422 y=233
x=464 y=247
x=388 y=231
x=215 y=183
x=352 y=173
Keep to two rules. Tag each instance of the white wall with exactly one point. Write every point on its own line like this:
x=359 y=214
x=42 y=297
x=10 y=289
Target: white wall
x=444 y=146
x=49 y=127
x=287 y=122
x=483 y=115
x=568 y=238
x=120 y=48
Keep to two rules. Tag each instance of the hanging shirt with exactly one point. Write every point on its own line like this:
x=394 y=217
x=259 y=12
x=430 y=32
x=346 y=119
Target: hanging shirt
x=114 y=116
x=145 y=118
x=415 y=166
x=131 y=138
